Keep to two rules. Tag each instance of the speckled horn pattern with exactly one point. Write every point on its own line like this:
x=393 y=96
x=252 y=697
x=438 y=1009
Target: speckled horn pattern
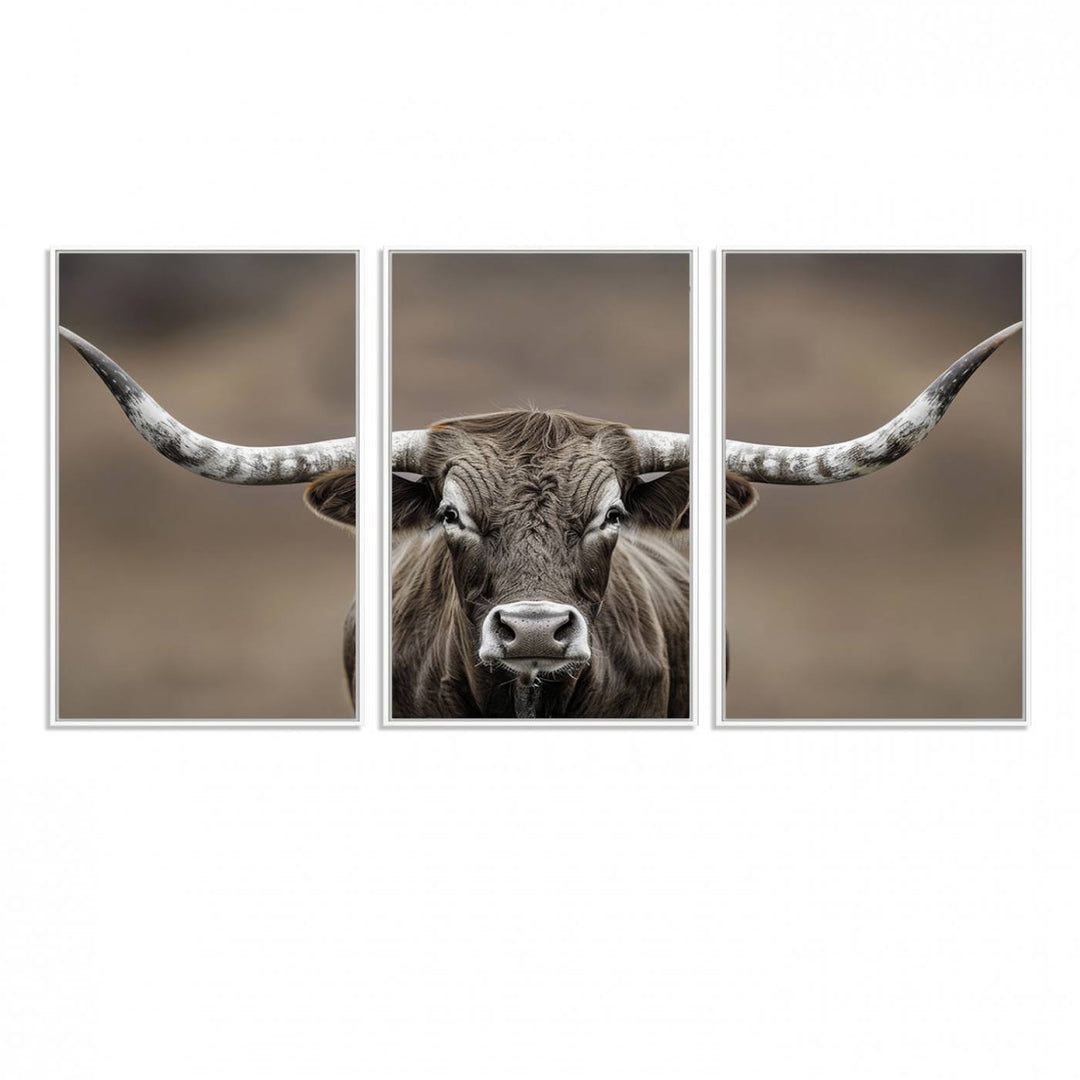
x=407 y=454
x=660 y=451
x=767 y=464
x=215 y=460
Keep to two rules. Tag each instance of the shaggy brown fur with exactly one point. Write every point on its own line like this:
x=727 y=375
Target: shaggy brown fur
x=533 y=481
x=333 y=497
x=740 y=497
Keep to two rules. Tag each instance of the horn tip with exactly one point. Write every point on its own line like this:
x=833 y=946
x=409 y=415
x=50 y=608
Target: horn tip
x=74 y=340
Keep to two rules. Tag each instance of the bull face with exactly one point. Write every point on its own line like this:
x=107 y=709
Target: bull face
x=531 y=507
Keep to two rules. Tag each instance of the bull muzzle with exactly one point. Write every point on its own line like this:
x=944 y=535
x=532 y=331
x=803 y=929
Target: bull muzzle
x=533 y=637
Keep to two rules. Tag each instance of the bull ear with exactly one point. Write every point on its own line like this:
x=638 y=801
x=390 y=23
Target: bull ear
x=333 y=497
x=413 y=503
x=663 y=503
x=741 y=497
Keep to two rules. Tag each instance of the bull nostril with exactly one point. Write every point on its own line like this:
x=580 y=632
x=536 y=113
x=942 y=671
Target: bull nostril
x=503 y=630
x=563 y=631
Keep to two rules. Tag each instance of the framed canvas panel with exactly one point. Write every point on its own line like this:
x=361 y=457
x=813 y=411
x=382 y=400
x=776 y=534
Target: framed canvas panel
x=192 y=582
x=874 y=487
x=537 y=520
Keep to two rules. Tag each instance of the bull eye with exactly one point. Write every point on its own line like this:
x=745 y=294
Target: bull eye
x=449 y=516
x=613 y=518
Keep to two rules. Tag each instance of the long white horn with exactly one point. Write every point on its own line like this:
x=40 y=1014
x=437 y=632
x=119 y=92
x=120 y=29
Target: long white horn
x=408 y=450
x=768 y=464
x=660 y=451
x=215 y=460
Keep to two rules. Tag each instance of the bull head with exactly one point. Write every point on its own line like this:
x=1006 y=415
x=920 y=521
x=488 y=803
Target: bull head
x=531 y=505
x=328 y=467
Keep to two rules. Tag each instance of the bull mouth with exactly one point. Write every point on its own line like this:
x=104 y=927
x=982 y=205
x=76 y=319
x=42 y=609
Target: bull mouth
x=538 y=665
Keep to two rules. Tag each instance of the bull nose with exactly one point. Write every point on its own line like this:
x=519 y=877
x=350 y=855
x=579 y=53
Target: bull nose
x=535 y=630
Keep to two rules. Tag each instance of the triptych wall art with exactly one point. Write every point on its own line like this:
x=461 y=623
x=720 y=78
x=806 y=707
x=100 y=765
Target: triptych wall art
x=549 y=506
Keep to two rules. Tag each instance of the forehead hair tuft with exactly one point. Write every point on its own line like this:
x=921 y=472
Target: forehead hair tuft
x=528 y=429
x=534 y=431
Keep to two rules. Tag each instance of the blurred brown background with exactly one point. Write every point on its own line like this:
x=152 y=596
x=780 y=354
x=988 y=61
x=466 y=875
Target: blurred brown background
x=897 y=595
x=181 y=597
x=604 y=335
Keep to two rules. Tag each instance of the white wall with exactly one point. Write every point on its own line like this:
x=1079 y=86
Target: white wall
x=537 y=904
